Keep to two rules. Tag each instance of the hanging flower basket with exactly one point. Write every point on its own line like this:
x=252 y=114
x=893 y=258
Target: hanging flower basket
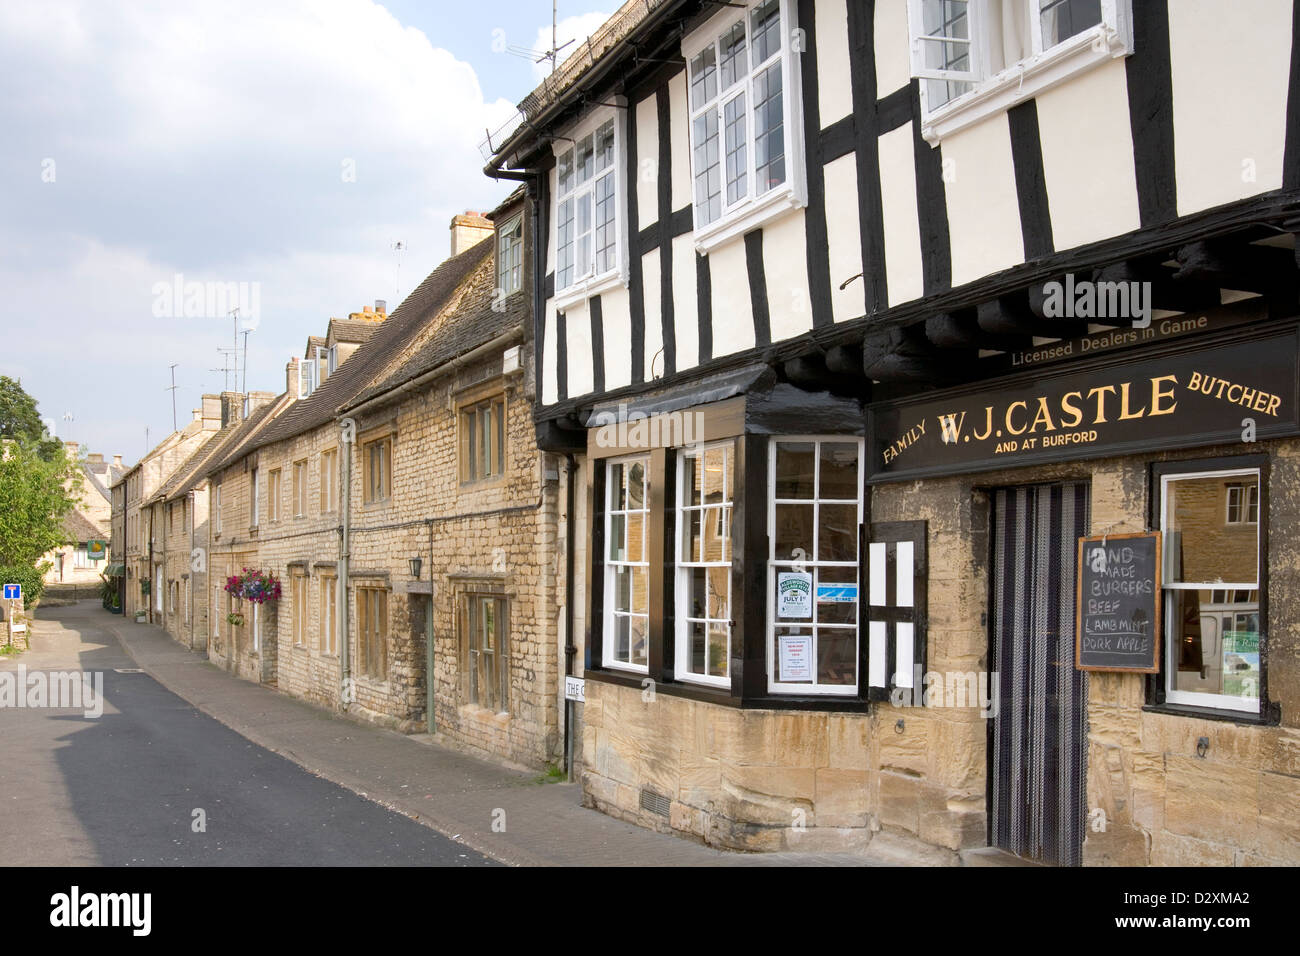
x=235 y=619
x=255 y=586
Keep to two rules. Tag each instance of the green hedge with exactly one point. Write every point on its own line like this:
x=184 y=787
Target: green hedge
x=32 y=580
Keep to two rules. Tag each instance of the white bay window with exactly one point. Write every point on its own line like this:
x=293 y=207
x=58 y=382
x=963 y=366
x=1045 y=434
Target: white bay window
x=745 y=122
x=705 y=499
x=977 y=57
x=590 y=221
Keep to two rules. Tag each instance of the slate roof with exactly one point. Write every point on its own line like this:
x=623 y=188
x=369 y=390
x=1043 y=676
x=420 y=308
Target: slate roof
x=474 y=324
x=371 y=358
x=78 y=528
x=355 y=331
x=240 y=441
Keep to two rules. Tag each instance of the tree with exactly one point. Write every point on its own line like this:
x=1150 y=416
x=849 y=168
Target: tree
x=20 y=420
x=36 y=494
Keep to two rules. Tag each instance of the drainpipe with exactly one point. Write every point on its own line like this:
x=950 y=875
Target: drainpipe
x=570 y=536
x=347 y=435
x=189 y=505
x=428 y=679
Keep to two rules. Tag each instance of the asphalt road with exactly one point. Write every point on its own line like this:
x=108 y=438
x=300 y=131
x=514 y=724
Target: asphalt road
x=123 y=789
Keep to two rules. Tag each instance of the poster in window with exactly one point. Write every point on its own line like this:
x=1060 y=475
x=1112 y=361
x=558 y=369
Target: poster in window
x=794 y=658
x=794 y=594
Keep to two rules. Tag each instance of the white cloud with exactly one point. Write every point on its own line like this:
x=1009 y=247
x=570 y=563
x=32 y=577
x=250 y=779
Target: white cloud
x=209 y=139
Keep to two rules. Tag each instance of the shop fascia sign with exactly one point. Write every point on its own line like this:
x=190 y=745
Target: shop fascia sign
x=1217 y=391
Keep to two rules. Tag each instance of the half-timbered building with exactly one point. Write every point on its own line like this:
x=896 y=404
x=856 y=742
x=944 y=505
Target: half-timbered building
x=857 y=317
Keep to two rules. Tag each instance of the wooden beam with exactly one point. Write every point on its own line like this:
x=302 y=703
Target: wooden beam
x=1267 y=270
x=961 y=330
x=906 y=355
x=1168 y=293
x=1023 y=313
x=811 y=373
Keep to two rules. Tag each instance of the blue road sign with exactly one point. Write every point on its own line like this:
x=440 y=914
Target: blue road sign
x=13 y=592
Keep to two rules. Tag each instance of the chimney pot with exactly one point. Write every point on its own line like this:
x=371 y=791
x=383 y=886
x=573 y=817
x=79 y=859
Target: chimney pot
x=381 y=306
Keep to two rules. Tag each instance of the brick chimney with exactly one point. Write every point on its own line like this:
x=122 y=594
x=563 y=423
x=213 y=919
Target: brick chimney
x=211 y=412
x=117 y=461
x=94 y=458
x=232 y=408
x=468 y=230
x=257 y=399
x=291 y=376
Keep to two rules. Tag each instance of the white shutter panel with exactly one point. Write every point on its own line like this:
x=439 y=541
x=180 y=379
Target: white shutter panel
x=896 y=605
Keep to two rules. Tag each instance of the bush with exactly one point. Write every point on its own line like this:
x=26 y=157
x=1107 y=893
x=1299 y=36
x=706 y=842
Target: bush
x=31 y=579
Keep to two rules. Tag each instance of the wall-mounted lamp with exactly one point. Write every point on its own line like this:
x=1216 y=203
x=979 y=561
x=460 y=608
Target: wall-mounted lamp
x=414 y=564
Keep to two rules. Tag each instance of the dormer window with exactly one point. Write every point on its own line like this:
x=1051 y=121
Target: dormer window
x=510 y=256
x=306 y=377
x=589 y=217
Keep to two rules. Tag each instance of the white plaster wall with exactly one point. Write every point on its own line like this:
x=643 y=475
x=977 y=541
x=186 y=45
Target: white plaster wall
x=834 y=91
x=679 y=119
x=550 y=393
x=983 y=211
x=733 y=316
x=617 y=318
x=1087 y=144
x=651 y=278
x=578 y=326
x=893 y=43
x=647 y=148
x=844 y=238
x=1230 y=69
x=785 y=265
x=686 y=311
x=903 y=271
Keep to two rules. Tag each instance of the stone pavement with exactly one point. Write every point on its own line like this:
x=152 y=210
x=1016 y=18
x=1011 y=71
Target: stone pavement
x=454 y=793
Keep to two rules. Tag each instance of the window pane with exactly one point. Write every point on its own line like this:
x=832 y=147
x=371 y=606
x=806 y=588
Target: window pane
x=693 y=480
x=583 y=258
x=1202 y=543
x=622 y=589
x=718 y=650
x=1062 y=19
x=697 y=592
x=605 y=146
x=1214 y=645
x=691 y=536
x=622 y=638
x=769 y=129
x=584 y=160
x=704 y=77
x=734 y=61
x=794 y=529
x=708 y=174
x=837 y=538
x=839 y=471
x=565 y=238
x=640 y=590
x=639 y=647
x=837 y=656
x=697 y=647
x=636 y=485
x=835 y=603
x=635 y=536
x=765 y=26
x=564 y=171
x=606 y=233
x=733 y=119
x=795 y=463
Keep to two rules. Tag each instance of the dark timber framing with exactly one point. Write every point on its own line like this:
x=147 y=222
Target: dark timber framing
x=664 y=180
x=815 y=231
x=597 y=344
x=758 y=288
x=1151 y=112
x=862 y=68
x=1031 y=181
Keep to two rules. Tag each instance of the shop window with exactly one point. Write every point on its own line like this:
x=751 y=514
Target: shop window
x=1213 y=617
x=372 y=632
x=814 y=515
x=485 y=619
x=978 y=57
x=627 y=565
x=482 y=440
x=705 y=496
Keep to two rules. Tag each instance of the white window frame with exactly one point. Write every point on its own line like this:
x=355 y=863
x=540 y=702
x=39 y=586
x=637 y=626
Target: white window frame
x=306 y=377
x=1250 y=705
x=753 y=209
x=682 y=569
x=591 y=283
x=216 y=507
x=610 y=567
x=510 y=273
x=1018 y=82
x=774 y=564
x=1245 y=505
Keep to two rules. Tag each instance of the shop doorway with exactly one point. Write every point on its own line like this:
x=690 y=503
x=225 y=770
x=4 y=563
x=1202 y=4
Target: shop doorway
x=1038 y=749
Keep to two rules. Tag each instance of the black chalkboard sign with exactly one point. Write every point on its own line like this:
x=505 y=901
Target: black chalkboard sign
x=1117 y=613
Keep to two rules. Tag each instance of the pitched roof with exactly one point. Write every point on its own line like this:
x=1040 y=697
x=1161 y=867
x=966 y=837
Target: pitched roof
x=371 y=358
x=77 y=528
x=240 y=441
x=473 y=324
x=352 y=330
x=188 y=467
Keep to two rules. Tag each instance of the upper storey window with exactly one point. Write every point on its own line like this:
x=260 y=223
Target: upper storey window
x=978 y=57
x=746 y=148
x=588 y=214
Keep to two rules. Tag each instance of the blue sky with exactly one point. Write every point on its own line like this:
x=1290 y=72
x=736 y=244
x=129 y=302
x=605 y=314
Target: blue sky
x=282 y=144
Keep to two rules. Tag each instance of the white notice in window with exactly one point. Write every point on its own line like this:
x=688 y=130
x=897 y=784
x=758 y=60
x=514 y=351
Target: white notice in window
x=795 y=658
x=794 y=594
